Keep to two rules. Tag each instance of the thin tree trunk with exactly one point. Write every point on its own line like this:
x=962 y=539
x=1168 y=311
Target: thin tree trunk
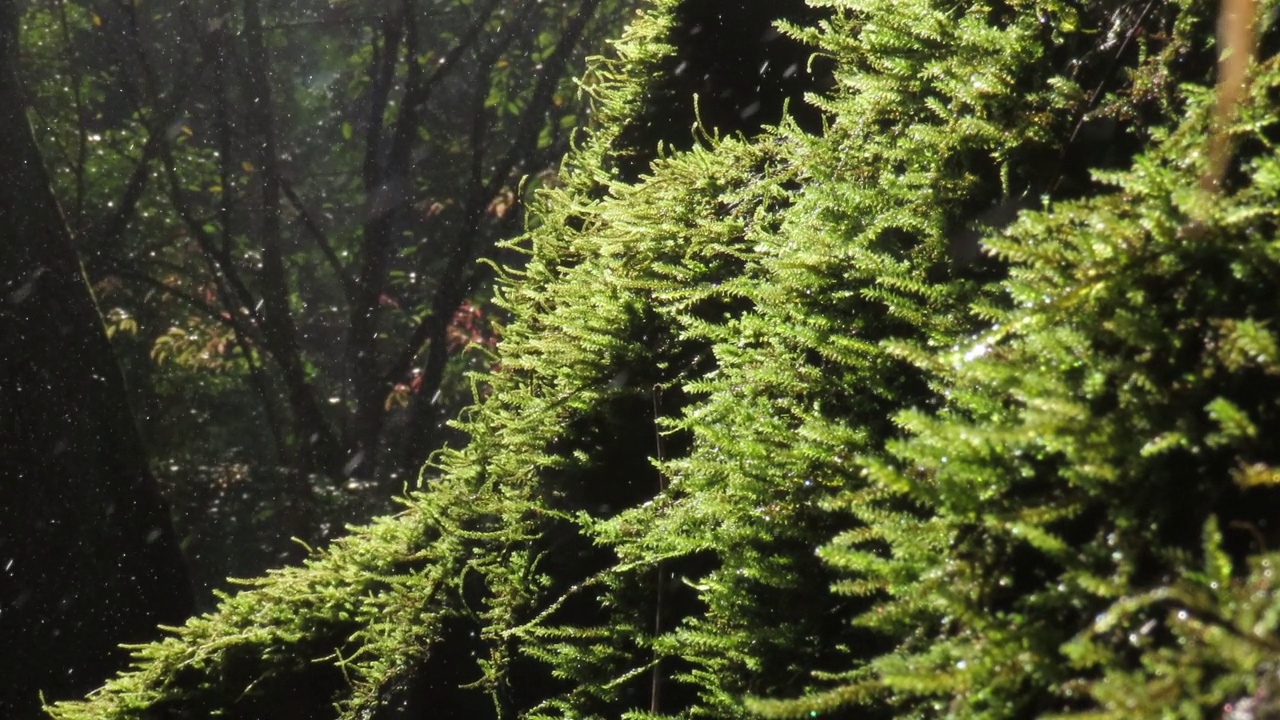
x=320 y=450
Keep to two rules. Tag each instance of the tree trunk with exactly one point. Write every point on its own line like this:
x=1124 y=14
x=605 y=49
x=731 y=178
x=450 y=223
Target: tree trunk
x=88 y=556
x=319 y=447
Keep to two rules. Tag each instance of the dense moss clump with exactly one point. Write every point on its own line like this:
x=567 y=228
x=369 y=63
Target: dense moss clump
x=952 y=401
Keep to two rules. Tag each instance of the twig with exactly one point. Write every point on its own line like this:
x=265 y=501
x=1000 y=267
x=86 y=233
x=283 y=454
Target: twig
x=1237 y=42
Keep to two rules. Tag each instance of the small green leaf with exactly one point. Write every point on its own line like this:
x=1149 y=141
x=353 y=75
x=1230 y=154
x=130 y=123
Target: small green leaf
x=1217 y=565
x=1233 y=422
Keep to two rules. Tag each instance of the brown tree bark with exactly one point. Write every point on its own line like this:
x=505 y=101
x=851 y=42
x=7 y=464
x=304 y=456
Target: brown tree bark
x=88 y=556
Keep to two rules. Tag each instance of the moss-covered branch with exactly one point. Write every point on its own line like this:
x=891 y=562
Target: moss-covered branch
x=984 y=345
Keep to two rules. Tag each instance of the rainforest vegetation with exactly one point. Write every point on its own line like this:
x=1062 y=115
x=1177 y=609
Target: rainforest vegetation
x=857 y=358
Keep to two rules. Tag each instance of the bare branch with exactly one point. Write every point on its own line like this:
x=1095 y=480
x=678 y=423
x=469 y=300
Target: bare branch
x=318 y=234
x=457 y=280
x=110 y=229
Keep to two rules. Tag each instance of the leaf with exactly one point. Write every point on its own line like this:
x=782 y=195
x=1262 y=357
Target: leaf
x=1256 y=474
x=1233 y=421
x=1217 y=564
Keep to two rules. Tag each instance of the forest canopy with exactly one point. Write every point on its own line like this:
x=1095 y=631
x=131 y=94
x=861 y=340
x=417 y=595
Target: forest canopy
x=933 y=382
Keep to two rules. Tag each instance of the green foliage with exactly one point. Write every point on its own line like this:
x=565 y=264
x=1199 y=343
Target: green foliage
x=1038 y=482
